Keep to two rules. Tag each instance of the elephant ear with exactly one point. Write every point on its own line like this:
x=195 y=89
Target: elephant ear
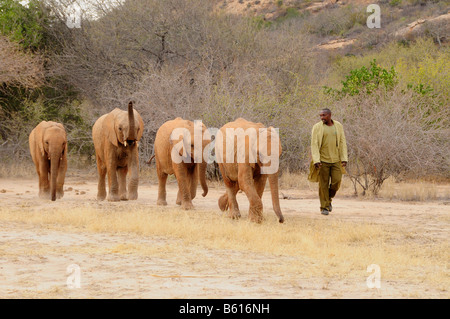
x=274 y=135
x=141 y=128
x=109 y=129
x=40 y=142
x=39 y=136
x=269 y=138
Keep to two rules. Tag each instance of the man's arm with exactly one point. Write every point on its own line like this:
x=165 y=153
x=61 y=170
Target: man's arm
x=315 y=148
x=343 y=149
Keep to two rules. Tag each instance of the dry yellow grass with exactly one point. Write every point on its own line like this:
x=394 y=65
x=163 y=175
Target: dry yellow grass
x=415 y=191
x=419 y=190
x=17 y=169
x=314 y=247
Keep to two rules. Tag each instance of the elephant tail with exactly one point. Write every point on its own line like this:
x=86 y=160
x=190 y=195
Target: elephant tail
x=149 y=162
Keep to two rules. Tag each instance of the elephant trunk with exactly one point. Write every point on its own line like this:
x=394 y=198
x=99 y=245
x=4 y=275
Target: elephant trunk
x=131 y=125
x=202 y=177
x=273 y=181
x=54 y=168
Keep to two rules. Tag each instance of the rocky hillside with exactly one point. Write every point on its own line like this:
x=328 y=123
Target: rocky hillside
x=273 y=9
x=339 y=24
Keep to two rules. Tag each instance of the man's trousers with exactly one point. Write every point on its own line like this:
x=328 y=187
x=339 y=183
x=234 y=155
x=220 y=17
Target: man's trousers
x=330 y=177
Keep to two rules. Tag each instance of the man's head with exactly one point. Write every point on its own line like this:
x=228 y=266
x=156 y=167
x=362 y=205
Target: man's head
x=325 y=115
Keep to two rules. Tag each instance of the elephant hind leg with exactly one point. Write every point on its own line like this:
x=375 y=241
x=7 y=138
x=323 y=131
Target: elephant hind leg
x=162 y=179
x=184 y=201
x=232 y=203
x=249 y=188
x=182 y=175
x=260 y=184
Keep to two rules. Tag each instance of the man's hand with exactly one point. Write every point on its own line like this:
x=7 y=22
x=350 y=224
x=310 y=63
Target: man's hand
x=344 y=164
x=317 y=165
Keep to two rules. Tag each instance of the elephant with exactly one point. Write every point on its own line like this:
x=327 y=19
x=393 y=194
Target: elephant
x=184 y=162
x=248 y=173
x=48 y=148
x=116 y=136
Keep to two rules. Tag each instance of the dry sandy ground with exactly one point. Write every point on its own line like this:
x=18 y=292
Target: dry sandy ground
x=34 y=260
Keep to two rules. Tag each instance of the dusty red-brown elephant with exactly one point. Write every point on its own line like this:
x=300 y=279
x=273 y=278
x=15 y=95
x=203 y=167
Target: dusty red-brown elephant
x=116 y=137
x=248 y=172
x=48 y=148
x=172 y=158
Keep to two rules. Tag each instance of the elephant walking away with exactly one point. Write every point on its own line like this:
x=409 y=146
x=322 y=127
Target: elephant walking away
x=48 y=148
x=189 y=168
x=116 y=136
x=248 y=172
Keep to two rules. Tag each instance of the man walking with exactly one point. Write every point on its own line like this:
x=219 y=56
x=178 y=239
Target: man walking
x=329 y=156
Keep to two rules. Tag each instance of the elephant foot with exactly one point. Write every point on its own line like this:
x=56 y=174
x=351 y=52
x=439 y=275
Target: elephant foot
x=113 y=198
x=123 y=197
x=256 y=219
x=187 y=206
x=255 y=216
x=101 y=195
x=59 y=195
x=132 y=196
x=161 y=202
x=45 y=195
x=234 y=214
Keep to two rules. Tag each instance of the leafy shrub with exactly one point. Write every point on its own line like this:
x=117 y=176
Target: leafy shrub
x=366 y=79
x=23 y=24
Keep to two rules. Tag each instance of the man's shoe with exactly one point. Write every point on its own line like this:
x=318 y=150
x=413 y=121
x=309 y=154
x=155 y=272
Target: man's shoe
x=324 y=212
x=330 y=208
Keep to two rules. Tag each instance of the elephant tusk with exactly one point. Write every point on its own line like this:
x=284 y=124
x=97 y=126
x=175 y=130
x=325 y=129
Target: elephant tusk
x=125 y=143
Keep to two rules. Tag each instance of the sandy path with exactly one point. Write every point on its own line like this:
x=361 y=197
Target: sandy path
x=35 y=259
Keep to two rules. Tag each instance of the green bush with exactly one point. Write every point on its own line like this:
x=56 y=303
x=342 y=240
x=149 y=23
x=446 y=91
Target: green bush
x=416 y=64
x=23 y=24
x=367 y=80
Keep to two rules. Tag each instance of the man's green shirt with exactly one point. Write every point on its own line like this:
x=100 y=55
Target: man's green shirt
x=329 y=152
